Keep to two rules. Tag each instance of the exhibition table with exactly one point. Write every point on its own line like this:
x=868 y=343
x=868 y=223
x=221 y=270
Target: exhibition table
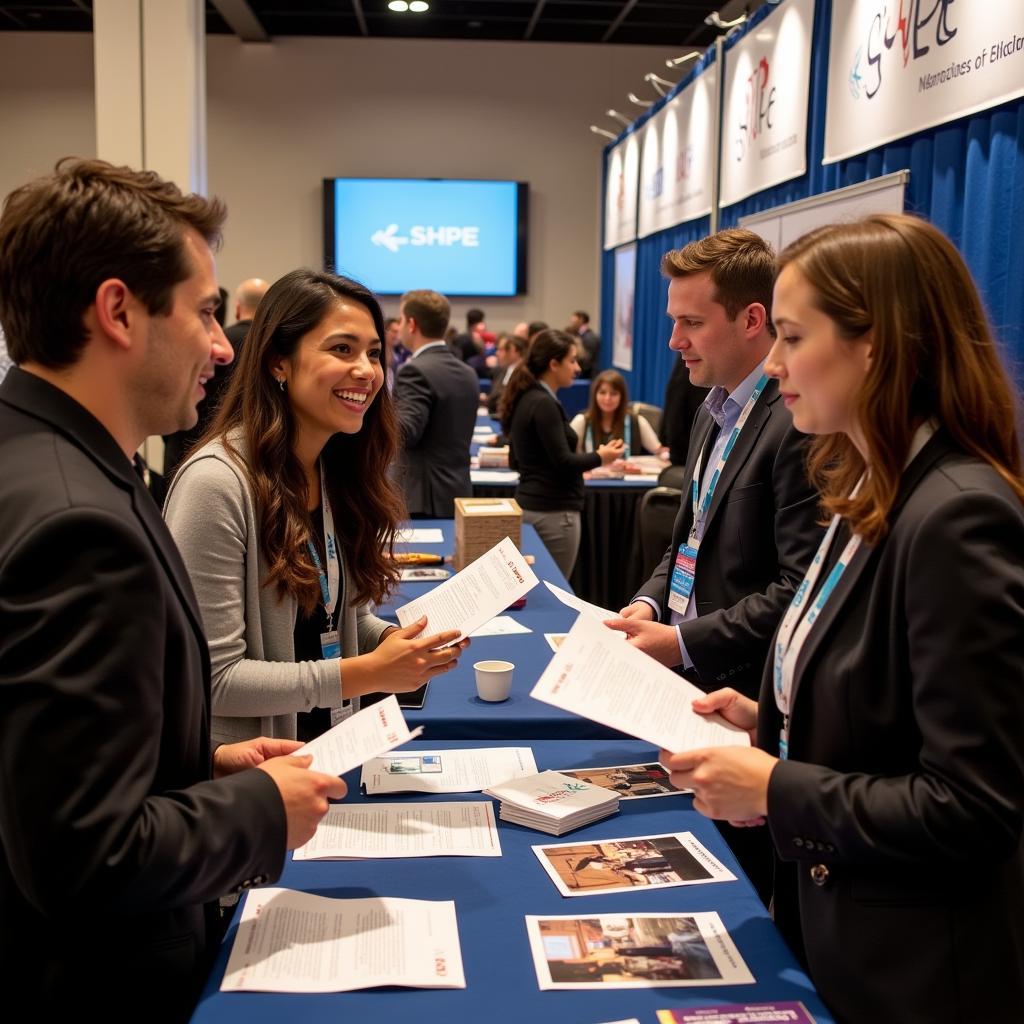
x=491 y=897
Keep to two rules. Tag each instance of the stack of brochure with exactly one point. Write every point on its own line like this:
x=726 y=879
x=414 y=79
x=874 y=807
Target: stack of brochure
x=553 y=803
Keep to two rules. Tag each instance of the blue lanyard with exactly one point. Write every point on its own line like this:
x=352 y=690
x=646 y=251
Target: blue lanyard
x=588 y=437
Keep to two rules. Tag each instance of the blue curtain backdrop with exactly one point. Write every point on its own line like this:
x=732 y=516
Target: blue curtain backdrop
x=966 y=177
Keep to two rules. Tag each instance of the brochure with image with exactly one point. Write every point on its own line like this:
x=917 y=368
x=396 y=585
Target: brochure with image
x=663 y=950
x=630 y=781
x=446 y=771
x=738 y=1013
x=636 y=862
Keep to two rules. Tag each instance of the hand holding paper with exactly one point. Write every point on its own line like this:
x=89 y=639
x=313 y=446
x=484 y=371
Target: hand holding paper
x=475 y=595
x=372 y=731
x=595 y=675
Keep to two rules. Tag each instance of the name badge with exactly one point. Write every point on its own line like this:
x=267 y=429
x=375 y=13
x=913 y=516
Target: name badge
x=683 y=576
x=330 y=644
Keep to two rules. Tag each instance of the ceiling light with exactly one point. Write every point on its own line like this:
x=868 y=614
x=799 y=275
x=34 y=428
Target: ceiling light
x=657 y=83
x=633 y=98
x=676 y=61
x=400 y=6
x=627 y=121
x=715 y=20
x=419 y=6
x=601 y=131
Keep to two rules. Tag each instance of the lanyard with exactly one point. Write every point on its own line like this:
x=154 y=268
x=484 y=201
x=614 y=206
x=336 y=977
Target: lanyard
x=329 y=584
x=700 y=511
x=798 y=622
x=588 y=437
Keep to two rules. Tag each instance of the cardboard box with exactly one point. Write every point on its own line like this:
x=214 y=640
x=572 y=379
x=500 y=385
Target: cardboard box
x=480 y=523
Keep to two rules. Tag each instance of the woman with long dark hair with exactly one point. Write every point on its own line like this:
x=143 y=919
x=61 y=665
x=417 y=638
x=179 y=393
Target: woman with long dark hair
x=608 y=417
x=889 y=764
x=285 y=517
x=543 y=445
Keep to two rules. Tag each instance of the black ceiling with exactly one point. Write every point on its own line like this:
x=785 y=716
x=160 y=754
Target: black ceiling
x=639 y=22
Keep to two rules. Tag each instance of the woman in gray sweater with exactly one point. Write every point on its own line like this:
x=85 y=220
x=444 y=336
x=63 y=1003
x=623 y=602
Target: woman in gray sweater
x=285 y=517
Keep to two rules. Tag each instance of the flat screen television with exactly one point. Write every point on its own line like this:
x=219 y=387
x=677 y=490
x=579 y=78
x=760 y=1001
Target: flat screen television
x=461 y=238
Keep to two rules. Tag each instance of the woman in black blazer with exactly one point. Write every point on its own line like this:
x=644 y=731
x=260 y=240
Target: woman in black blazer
x=889 y=764
x=543 y=445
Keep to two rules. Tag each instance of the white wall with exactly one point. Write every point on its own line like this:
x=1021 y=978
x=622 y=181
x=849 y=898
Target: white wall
x=283 y=116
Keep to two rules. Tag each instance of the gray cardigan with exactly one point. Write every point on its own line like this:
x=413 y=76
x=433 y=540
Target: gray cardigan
x=257 y=685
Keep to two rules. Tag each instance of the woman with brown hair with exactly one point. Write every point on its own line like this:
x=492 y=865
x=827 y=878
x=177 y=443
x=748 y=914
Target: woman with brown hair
x=543 y=445
x=889 y=764
x=608 y=417
x=285 y=517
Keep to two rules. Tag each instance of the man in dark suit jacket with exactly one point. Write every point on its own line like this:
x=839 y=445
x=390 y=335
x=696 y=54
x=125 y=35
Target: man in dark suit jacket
x=436 y=400
x=511 y=352
x=760 y=530
x=179 y=444
x=590 y=342
x=119 y=826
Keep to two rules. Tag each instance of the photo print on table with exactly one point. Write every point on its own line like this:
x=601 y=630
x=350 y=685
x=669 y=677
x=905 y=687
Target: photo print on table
x=630 y=781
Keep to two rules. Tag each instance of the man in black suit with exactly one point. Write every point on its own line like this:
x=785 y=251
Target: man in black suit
x=179 y=444
x=119 y=826
x=713 y=603
x=590 y=343
x=436 y=400
x=511 y=352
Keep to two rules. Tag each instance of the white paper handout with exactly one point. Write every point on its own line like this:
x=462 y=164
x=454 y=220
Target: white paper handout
x=420 y=535
x=578 y=604
x=474 y=596
x=367 y=733
x=291 y=941
x=446 y=771
x=494 y=476
x=500 y=625
x=634 y=862
x=605 y=951
x=458 y=829
x=595 y=675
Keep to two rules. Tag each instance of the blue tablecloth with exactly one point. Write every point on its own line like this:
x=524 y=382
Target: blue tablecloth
x=452 y=708
x=492 y=895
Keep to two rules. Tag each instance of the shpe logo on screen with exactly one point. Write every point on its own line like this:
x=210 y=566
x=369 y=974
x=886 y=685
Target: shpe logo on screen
x=467 y=236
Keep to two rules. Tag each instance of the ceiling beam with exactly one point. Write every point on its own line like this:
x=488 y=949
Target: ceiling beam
x=614 y=26
x=241 y=20
x=17 y=21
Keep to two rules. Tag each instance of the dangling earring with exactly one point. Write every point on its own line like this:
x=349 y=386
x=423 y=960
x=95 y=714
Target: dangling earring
x=280 y=383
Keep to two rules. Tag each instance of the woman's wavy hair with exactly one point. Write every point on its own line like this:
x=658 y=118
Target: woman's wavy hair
x=366 y=505
x=901 y=281
x=544 y=347
x=614 y=380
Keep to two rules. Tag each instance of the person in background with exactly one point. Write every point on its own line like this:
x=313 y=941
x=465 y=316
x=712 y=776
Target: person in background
x=120 y=823
x=436 y=397
x=395 y=353
x=511 y=351
x=285 y=518
x=608 y=417
x=470 y=343
x=590 y=343
x=543 y=446
x=534 y=328
x=888 y=761
x=247 y=298
x=683 y=400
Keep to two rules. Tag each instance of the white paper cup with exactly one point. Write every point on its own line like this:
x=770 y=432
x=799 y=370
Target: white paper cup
x=493 y=679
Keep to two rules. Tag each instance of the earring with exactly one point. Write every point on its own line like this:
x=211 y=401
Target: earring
x=280 y=383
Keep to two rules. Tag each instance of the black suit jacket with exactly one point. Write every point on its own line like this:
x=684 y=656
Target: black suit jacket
x=590 y=356
x=436 y=396
x=760 y=536
x=905 y=783
x=113 y=839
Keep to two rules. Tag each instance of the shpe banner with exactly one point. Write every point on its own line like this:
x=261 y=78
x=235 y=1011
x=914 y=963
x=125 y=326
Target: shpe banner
x=620 y=198
x=767 y=78
x=898 y=68
x=675 y=158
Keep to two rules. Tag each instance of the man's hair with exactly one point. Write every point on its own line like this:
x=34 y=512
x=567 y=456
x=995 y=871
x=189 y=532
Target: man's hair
x=430 y=310
x=63 y=235
x=584 y=318
x=741 y=265
x=536 y=326
x=516 y=342
x=474 y=317
x=390 y=322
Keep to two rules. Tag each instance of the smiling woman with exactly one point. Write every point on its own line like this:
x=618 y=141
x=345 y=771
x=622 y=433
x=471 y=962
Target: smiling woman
x=285 y=517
